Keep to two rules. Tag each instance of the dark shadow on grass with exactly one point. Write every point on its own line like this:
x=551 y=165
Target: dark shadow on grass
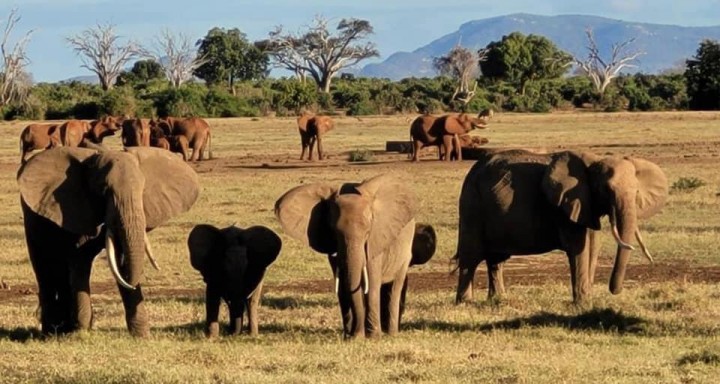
x=600 y=320
x=198 y=328
x=291 y=302
x=704 y=357
x=21 y=334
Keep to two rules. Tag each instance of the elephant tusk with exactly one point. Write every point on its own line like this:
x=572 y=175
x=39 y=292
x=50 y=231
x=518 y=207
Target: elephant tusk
x=645 y=251
x=337 y=280
x=365 y=279
x=110 y=248
x=616 y=235
x=149 y=252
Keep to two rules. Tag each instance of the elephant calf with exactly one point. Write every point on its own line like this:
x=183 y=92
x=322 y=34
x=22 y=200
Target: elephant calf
x=232 y=262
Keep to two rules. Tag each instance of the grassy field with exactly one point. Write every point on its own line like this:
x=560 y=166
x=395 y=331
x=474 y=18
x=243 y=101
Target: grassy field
x=664 y=328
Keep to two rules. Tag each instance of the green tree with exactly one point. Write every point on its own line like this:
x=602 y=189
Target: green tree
x=142 y=71
x=520 y=59
x=703 y=77
x=229 y=57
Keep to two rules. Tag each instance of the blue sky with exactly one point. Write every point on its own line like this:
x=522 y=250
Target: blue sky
x=399 y=24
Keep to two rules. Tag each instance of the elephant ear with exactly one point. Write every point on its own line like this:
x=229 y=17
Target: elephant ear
x=424 y=244
x=303 y=214
x=453 y=124
x=652 y=188
x=566 y=185
x=201 y=243
x=263 y=245
x=171 y=185
x=53 y=185
x=302 y=121
x=393 y=206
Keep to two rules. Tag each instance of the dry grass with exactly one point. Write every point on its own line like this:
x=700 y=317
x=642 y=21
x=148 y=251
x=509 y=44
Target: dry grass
x=663 y=328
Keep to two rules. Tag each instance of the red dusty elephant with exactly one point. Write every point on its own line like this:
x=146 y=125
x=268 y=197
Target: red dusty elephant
x=312 y=128
x=196 y=133
x=443 y=131
x=69 y=134
x=136 y=133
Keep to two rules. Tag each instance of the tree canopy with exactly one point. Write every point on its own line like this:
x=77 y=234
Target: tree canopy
x=228 y=57
x=519 y=59
x=703 y=77
x=141 y=72
x=319 y=52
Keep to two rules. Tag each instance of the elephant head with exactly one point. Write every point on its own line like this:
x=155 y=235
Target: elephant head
x=129 y=192
x=361 y=223
x=586 y=187
x=106 y=126
x=232 y=262
x=136 y=133
x=463 y=123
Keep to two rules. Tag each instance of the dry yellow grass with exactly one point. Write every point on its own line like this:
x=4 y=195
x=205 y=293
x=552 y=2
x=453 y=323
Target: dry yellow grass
x=663 y=328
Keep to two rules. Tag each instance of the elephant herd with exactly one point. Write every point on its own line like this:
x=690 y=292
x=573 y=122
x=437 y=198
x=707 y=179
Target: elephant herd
x=190 y=137
x=78 y=201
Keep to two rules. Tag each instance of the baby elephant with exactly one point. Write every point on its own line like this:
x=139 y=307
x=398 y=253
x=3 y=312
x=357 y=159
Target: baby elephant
x=232 y=262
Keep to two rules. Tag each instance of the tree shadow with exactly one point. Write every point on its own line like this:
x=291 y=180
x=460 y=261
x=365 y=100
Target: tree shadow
x=599 y=320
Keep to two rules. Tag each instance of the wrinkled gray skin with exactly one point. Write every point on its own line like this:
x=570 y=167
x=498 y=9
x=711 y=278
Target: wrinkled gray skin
x=520 y=203
x=369 y=226
x=70 y=198
x=232 y=262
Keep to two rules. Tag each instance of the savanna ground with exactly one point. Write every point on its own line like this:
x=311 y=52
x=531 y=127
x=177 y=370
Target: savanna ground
x=665 y=326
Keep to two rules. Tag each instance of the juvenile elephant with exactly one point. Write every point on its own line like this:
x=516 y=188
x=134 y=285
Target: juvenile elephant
x=195 y=130
x=367 y=230
x=232 y=262
x=77 y=201
x=38 y=136
x=312 y=128
x=443 y=131
x=176 y=144
x=136 y=133
x=521 y=203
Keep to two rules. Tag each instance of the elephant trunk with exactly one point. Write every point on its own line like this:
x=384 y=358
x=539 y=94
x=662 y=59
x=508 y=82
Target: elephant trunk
x=355 y=268
x=623 y=219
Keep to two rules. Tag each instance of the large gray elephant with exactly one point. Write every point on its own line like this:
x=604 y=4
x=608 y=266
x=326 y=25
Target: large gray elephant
x=367 y=230
x=521 y=203
x=232 y=262
x=77 y=201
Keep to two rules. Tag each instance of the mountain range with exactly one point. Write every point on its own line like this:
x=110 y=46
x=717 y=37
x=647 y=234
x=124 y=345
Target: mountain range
x=665 y=46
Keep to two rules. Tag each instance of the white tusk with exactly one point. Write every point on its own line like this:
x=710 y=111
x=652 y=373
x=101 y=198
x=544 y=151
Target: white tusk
x=616 y=235
x=337 y=280
x=110 y=248
x=365 y=278
x=253 y=292
x=149 y=252
x=646 y=252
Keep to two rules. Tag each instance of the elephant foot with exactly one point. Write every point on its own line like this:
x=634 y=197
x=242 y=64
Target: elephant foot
x=212 y=330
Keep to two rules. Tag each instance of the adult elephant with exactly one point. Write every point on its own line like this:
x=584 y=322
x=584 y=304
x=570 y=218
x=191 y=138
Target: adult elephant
x=77 y=201
x=443 y=131
x=312 y=128
x=367 y=231
x=71 y=133
x=38 y=136
x=102 y=128
x=520 y=203
x=195 y=130
x=136 y=133
x=232 y=262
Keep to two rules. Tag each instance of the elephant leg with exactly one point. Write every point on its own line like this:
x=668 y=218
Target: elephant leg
x=373 y=325
x=457 y=147
x=304 y=142
x=252 y=310
x=496 y=283
x=466 y=278
x=594 y=254
x=447 y=146
x=343 y=296
x=396 y=303
x=416 y=150
x=319 y=147
x=135 y=314
x=578 y=249
x=312 y=145
x=237 y=310
x=195 y=151
x=80 y=268
x=212 y=310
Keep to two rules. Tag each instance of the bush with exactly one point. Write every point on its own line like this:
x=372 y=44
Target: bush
x=359 y=155
x=119 y=101
x=687 y=184
x=188 y=100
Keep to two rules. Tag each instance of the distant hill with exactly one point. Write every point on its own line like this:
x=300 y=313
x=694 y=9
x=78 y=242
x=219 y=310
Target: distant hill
x=666 y=45
x=89 y=79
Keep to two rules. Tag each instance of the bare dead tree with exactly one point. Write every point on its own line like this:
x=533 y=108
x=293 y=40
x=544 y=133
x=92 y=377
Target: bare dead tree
x=319 y=52
x=102 y=53
x=178 y=57
x=15 y=83
x=462 y=65
x=602 y=71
